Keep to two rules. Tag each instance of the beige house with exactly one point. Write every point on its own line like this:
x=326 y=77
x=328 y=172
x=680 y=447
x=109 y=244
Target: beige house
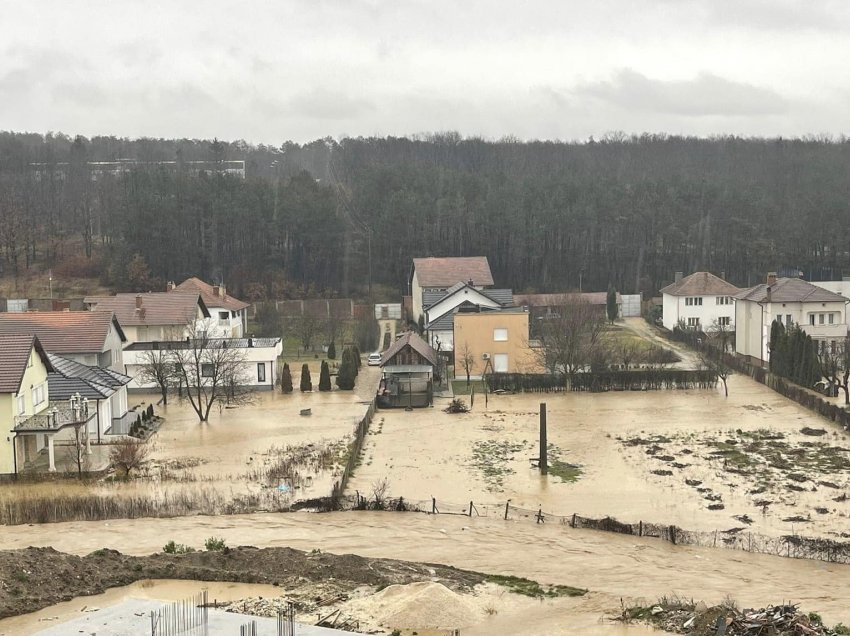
x=496 y=342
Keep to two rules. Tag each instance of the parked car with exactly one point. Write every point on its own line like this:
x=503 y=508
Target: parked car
x=374 y=359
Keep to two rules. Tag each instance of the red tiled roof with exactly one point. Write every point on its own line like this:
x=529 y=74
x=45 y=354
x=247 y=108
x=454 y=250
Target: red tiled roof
x=63 y=331
x=445 y=272
x=14 y=357
x=157 y=308
x=701 y=284
x=211 y=299
x=791 y=290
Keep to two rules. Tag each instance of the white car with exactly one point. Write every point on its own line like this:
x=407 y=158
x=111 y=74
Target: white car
x=374 y=360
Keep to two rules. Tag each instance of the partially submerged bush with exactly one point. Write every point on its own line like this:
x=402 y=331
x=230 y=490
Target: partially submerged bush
x=457 y=406
x=215 y=544
x=177 y=548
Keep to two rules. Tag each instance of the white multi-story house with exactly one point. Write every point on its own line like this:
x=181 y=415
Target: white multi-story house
x=228 y=315
x=436 y=275
x=821 y=313
x=700 y=301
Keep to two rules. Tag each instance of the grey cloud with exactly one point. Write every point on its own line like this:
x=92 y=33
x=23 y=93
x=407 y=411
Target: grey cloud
x=705 y=95
x=323 y=103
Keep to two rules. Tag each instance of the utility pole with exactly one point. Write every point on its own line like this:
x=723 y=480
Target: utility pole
x=543 y=462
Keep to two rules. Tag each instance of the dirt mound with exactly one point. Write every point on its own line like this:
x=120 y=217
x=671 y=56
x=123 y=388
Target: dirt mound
x=425 y=605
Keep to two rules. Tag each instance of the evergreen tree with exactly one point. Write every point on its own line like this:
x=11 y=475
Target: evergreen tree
x=347 y=372
x=331 y=351
x=356 y=351
x=325 y=377
x=611 y=304
x=286 y=379
x=306 y=381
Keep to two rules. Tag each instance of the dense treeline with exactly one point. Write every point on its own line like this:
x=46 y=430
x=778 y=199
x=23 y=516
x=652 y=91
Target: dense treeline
x=549 y=215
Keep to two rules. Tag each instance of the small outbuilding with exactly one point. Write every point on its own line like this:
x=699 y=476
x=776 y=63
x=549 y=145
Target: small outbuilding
x=408 y=368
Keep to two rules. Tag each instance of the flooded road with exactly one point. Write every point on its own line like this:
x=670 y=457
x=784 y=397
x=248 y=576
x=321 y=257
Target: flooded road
x=610 y=565
x=485 y=456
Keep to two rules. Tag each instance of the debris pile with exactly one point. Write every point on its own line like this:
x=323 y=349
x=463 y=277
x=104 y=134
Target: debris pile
x=726 y=620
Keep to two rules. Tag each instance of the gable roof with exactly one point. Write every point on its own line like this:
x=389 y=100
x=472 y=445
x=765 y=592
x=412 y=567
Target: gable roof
x=701 y=284
x=15 y=350
x=64 y=331
x=446 y=271
x=791 y=290
x=97 y=375
x=208 y=293
x=157 y=308
x=413 y=340
x=498 y=296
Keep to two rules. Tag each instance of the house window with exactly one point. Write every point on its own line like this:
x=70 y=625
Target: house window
x=724 y=300
x=788 y=320
x=207 y=370
x=38 y=395
x=811 y=319
x=29 y=360
x=820 y=319
x=500 y=335
x=832 y=319
x=695 y=301
x=21 y=404
x=500 y=363
x=261 y=372
x=693 y=322
x=224 y=315
x=723 y=321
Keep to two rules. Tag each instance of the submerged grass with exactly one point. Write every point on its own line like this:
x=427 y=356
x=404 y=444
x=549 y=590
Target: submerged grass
x=527 y=587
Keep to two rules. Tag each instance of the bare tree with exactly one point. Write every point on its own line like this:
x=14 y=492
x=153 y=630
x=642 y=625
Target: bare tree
x=129 y=455
x=570 y=337
x=465 y=357
x=157 y=367
x=713 y=360
x=306 y=327
x=627 y=352
x=76 y=451
x=835 y=365
x=212 y=371
x=721 y=334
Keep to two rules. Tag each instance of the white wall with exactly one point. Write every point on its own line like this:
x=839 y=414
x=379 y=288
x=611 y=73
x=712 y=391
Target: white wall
x=675 y=308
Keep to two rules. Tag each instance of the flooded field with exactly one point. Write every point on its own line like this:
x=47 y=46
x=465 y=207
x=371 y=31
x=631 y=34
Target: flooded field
x=263 y=455
x=692 y=458
x=611 y=566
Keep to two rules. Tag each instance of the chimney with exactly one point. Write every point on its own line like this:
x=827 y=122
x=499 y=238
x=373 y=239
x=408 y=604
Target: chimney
x=771 y=279
x=169 y=286
x=723 y=275
x=138 y=301
x=219 y=291
x=677 y=277
x=470 y=282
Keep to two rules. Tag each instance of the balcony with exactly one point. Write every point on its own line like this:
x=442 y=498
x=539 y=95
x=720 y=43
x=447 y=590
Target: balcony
x=54 y=419
x=826 y=332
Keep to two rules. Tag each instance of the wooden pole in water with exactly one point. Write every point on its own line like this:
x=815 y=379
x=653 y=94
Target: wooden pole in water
x=544 y=455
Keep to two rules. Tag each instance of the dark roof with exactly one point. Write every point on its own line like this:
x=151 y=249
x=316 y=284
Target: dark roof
x=61 y=388
x=446 y=271
x=15 y=352
x=208 y=293
x=64 y=331
x=791 y=290
x=157 y=308
x=96 y=375
x=556 y=300
x=231 y=343
x=413 y=340
x=701 y=284
x=500 y=296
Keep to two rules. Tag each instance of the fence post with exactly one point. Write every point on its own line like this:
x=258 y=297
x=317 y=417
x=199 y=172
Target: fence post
x=573 y=522
x=507 y=505
x=544 y=451
x=640 y=528
x=470 y=508
x=673 y=535
x=433 y=505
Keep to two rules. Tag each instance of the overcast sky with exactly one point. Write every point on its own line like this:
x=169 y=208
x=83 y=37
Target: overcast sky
x=561 y=69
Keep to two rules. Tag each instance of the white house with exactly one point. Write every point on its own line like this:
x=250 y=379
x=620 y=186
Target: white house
x=228 y=315
x=436 y=275
x=154 y=315
x=440 y=308
x=700 y=301
x=821 y=313
x=258 y=364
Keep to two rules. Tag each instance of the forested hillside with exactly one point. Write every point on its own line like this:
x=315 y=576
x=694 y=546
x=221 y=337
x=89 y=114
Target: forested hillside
x=630 y=211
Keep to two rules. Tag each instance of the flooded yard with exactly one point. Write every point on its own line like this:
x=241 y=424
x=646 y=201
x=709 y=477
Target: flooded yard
x=691 y=458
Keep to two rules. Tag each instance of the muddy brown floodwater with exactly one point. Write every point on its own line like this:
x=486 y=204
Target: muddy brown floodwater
x=484 y=456
x=611 y=566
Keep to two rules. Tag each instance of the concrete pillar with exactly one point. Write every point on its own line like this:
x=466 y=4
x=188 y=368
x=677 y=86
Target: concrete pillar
x=88 y=440
x=50 y=455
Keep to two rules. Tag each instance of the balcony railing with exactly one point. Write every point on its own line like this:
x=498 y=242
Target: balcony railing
x=54 y=418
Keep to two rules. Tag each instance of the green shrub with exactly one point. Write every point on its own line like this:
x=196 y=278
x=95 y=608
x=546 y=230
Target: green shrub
x=215 y=544
x=176 y=548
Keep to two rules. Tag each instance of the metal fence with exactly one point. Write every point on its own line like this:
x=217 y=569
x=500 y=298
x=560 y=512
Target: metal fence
x=188 y=617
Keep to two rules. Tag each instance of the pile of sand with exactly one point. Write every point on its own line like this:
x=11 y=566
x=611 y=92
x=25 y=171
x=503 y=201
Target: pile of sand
x=425 y=605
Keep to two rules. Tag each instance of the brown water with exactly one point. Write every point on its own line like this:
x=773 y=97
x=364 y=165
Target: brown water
x=428 y=453
x=611 y=565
